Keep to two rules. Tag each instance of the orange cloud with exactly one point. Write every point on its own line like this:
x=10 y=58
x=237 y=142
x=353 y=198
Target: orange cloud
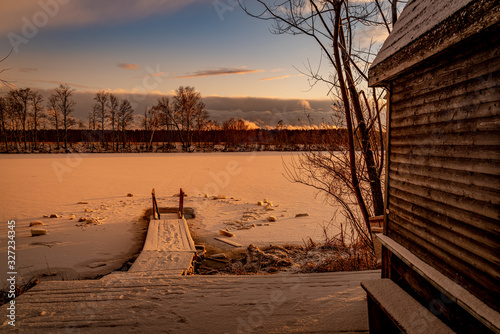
x=275 y=78
x=218 y=71
x=128 y=66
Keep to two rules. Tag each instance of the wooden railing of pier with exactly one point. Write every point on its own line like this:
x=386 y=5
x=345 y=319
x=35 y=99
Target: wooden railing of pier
x=156 y=211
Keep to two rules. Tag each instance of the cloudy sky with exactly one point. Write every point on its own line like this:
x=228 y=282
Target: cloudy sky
x=143 y=49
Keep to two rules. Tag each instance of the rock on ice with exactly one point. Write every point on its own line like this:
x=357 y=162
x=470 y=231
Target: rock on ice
x=226 y=233
x=35 y=233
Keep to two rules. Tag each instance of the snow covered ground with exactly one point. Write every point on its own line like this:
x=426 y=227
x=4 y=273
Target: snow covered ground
x=37 y=185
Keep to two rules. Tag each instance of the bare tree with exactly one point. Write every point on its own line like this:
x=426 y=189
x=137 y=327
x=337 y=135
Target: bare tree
x=37 y=115
x=166 y=115
x=125 y=118
x=113 y=105
x=3 y=81
x=101 y=99
x=184 y=111
x=55 y=114
x=19 y=99
x=64 y=103
x=348 y=177
x=91 y=127
x=212 y=127
x=234 y=131
x=201 y=119
x=153 y=124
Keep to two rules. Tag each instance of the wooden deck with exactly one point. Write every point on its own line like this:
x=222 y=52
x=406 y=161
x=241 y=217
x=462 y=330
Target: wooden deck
x=161 y=303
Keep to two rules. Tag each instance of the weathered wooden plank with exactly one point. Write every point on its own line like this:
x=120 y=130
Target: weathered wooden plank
x=444 y=73
x=458 y=29
x=436 y=138
x=473 y=91
x=168 y=247
x=486 y=104
x=464 y=235
x=458 y=187
x=398 y=305
x=229 y=242
x=112 y=325
x=436 y=92
x=451 y=225
x=176 y=262
x=62 y=285
x=168 y=235
x=475 y=281
x=433 y=113
x=480 y=208
x=464 y=134
x=492 y=152
x=484 y=166
x=465 y=66
x=439 y=129
x=482 y=258
x=488 y=225
x=463 y=311
x=461 y=260
x=216 y=297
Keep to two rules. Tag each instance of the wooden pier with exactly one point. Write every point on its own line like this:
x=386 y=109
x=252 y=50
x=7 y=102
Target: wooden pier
x=168 y=248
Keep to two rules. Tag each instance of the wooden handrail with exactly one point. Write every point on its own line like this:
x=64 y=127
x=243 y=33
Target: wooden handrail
x=155 y=205
x=181 y=204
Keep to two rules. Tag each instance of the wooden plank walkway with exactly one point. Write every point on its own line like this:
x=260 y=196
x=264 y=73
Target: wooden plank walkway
x=161 y=303
x=168 y=248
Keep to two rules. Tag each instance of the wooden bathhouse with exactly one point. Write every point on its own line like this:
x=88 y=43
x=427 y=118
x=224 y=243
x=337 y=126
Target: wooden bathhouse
x=441 y=239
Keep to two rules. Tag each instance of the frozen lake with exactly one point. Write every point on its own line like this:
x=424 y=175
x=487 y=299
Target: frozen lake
x=37 y=185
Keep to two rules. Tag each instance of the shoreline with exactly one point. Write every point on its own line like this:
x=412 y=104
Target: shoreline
x=158 y=147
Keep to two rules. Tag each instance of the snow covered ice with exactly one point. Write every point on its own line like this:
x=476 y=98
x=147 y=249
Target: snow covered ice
x=223 y=188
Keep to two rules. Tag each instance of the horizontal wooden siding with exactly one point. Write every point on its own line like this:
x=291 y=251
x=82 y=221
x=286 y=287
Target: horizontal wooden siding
x=444 y=164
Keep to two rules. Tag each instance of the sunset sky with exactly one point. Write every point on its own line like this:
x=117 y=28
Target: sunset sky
x=155 y=46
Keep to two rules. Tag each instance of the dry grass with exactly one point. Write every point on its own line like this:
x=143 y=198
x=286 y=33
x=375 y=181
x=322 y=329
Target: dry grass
x=337 y=253
x=353 y=257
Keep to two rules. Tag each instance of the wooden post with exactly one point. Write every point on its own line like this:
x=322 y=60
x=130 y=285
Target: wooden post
x=156 y=211
x=154 y=202
x=181 y=204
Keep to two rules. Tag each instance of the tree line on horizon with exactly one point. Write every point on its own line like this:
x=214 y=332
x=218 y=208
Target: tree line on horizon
x=28 y=123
